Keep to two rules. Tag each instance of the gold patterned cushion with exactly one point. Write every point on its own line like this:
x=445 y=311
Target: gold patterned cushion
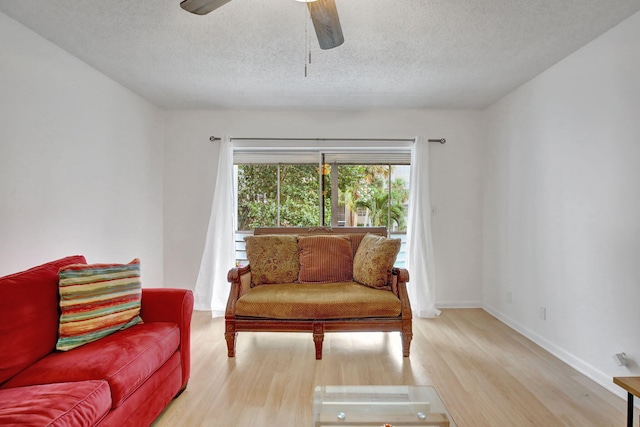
x=343 y=300
x=273 y=258
x=325 y=259
x=374 y=260
x=355 y=242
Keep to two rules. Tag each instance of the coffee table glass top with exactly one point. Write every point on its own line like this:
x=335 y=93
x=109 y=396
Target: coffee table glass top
x=376 y=406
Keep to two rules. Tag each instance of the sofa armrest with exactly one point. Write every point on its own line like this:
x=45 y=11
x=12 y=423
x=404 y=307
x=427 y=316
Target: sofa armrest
x=402 y=277
x=402 y=273
x=176 y=306
x=240 y=280
x=241 y=276
x=397 y=275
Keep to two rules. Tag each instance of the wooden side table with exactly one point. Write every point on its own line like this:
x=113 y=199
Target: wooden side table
x=632 y=385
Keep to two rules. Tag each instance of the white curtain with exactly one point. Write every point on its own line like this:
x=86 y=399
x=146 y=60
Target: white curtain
x=420 y=259
x=212 y=288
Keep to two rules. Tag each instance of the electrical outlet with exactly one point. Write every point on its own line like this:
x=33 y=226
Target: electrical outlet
x=543 y=313
x=509 y=297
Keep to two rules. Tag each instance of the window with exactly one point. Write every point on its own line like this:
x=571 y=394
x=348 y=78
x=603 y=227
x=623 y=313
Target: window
x=358 y=195
x=280 y=195
x=279 y=187
x=291 y=195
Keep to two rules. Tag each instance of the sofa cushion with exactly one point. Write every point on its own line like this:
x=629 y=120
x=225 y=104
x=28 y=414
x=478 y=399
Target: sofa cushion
x=29 y=307
x=72 y=404
x=273 y=258
x=325 y=259
x=355 y=242
x=374 y=260
x=97 y=300
x=317 y=301
x=150 y=399
x=124 y=359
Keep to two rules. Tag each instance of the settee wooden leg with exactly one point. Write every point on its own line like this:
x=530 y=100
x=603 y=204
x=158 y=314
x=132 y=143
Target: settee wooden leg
x=318 y=338
x=230 y=335
x=407 y=336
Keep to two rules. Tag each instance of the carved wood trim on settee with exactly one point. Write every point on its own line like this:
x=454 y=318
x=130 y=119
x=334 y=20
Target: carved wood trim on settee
x=240 y=279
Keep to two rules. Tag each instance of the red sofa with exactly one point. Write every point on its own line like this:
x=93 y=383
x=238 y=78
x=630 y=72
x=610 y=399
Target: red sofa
x=124 y=379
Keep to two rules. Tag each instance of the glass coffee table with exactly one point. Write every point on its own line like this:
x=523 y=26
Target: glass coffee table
x=377 y=406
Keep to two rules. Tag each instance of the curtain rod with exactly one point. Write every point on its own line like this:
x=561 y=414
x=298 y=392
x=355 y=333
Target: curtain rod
x=215 y=138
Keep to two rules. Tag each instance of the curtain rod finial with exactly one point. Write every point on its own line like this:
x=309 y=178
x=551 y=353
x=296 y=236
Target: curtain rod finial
x=441 y=140
x=214 y=138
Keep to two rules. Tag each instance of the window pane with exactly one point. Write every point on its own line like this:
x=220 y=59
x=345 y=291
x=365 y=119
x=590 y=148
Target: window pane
x=364 y=196
x=299 y=190
x=327 y=179
x=257 y=196
x=351 y=179
x=399 y=197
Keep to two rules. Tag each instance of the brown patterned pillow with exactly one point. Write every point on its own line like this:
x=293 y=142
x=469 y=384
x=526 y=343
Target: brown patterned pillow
x=355 y=241
x=325 y=259
x=374 y=260
x=273 y=258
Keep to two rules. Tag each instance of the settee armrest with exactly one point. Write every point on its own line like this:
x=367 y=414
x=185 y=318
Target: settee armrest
x=175 y=306
x=241 y=276
x=401 y=273
x=401 y=276
x=240 y=280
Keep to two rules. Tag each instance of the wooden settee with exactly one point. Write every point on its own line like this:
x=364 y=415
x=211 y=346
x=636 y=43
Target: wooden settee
x=344 y=306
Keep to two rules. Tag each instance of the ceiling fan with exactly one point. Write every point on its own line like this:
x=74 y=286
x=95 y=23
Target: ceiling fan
x=323 y=14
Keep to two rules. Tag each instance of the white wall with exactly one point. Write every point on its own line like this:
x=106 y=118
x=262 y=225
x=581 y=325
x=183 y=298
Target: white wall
x=191 y=162
x=562 y=206
x=538 y=195
x=80 y=161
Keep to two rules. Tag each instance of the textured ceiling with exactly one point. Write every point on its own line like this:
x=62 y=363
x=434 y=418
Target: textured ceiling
x=251 y=53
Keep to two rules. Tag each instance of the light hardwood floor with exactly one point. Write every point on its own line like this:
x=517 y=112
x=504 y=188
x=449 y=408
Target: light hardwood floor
x=486 y=374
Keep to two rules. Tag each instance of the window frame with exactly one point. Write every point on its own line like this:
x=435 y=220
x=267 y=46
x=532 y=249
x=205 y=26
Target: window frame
x=275 y=150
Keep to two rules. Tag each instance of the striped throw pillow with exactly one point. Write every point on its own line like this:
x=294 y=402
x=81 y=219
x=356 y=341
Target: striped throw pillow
x=97 y=300
x=325 y=259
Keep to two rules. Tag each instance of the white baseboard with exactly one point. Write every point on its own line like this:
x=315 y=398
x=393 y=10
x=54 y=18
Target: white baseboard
x=459 y=304
x=576 y=363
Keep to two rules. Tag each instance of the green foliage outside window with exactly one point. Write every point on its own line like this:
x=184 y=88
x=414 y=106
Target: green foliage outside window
x=363 y=196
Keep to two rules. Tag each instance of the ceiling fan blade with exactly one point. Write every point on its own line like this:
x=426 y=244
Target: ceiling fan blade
x=202 y=7
x=326 y=23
